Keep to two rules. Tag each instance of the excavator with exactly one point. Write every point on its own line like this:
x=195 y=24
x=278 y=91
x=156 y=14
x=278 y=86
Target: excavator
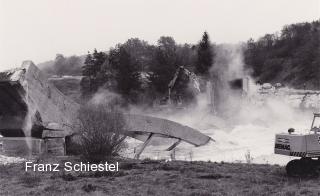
x=192 y=77
x=305 y=146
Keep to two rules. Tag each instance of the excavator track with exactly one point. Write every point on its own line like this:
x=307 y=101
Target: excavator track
x=304 y=167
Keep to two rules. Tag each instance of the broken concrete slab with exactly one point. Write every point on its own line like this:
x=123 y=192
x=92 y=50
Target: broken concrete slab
x=28 y=101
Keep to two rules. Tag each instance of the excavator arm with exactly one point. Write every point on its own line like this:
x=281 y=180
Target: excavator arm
x=192 y=76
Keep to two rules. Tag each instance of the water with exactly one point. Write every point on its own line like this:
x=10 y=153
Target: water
x=230 y=146
x=250 y=132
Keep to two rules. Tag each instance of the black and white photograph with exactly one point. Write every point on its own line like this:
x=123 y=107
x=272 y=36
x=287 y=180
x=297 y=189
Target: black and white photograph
x=160 y=97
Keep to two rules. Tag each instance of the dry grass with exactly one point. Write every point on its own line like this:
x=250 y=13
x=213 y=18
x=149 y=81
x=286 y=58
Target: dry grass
x=30 y=179
x=160 y=178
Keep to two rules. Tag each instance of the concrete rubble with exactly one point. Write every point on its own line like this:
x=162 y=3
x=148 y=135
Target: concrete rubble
x=30 y=107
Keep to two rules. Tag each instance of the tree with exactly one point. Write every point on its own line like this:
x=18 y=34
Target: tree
x=140 y=51
x=93 y=63
x=92 y=69
x=87 y=69
x=164 y=64
x=205 y=56
x=290 y=58
x=187 y=56
x=63 y=65
x=98 y=59
x=126 y=72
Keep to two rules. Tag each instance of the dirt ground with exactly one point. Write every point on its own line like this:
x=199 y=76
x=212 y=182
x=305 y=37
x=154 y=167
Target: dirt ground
x=148 y=177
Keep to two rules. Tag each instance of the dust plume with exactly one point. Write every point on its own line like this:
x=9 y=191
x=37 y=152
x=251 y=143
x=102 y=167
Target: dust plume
x=246 y=122
x=105 y=97
x=247 y=119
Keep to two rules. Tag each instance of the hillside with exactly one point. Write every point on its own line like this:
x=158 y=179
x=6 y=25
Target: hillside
x=159 y=178
x=291 y=57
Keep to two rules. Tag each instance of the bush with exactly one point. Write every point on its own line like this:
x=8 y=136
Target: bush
x=72 y=145
x=101 y=130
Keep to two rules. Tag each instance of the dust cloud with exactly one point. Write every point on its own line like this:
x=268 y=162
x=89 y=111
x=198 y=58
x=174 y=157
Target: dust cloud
x=245 y=125
x=104 y=97
x=248 y=124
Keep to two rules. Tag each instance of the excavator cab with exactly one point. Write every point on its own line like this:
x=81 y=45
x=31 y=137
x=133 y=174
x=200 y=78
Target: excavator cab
x=306 y=146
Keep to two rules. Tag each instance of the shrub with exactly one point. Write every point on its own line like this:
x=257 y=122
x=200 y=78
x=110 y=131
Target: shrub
x=72 y=145
x=101 y=130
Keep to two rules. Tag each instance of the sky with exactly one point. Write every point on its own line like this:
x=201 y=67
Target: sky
x=37 y=30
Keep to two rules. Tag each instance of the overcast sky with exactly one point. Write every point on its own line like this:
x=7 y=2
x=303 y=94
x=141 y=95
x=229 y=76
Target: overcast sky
x=39 y=29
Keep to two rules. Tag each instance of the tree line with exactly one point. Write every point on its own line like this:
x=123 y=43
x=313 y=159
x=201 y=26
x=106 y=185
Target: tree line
x=62 y=65
x=291 y=57
x=141 y=72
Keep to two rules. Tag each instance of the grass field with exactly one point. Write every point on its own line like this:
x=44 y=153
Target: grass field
x=148 y=177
